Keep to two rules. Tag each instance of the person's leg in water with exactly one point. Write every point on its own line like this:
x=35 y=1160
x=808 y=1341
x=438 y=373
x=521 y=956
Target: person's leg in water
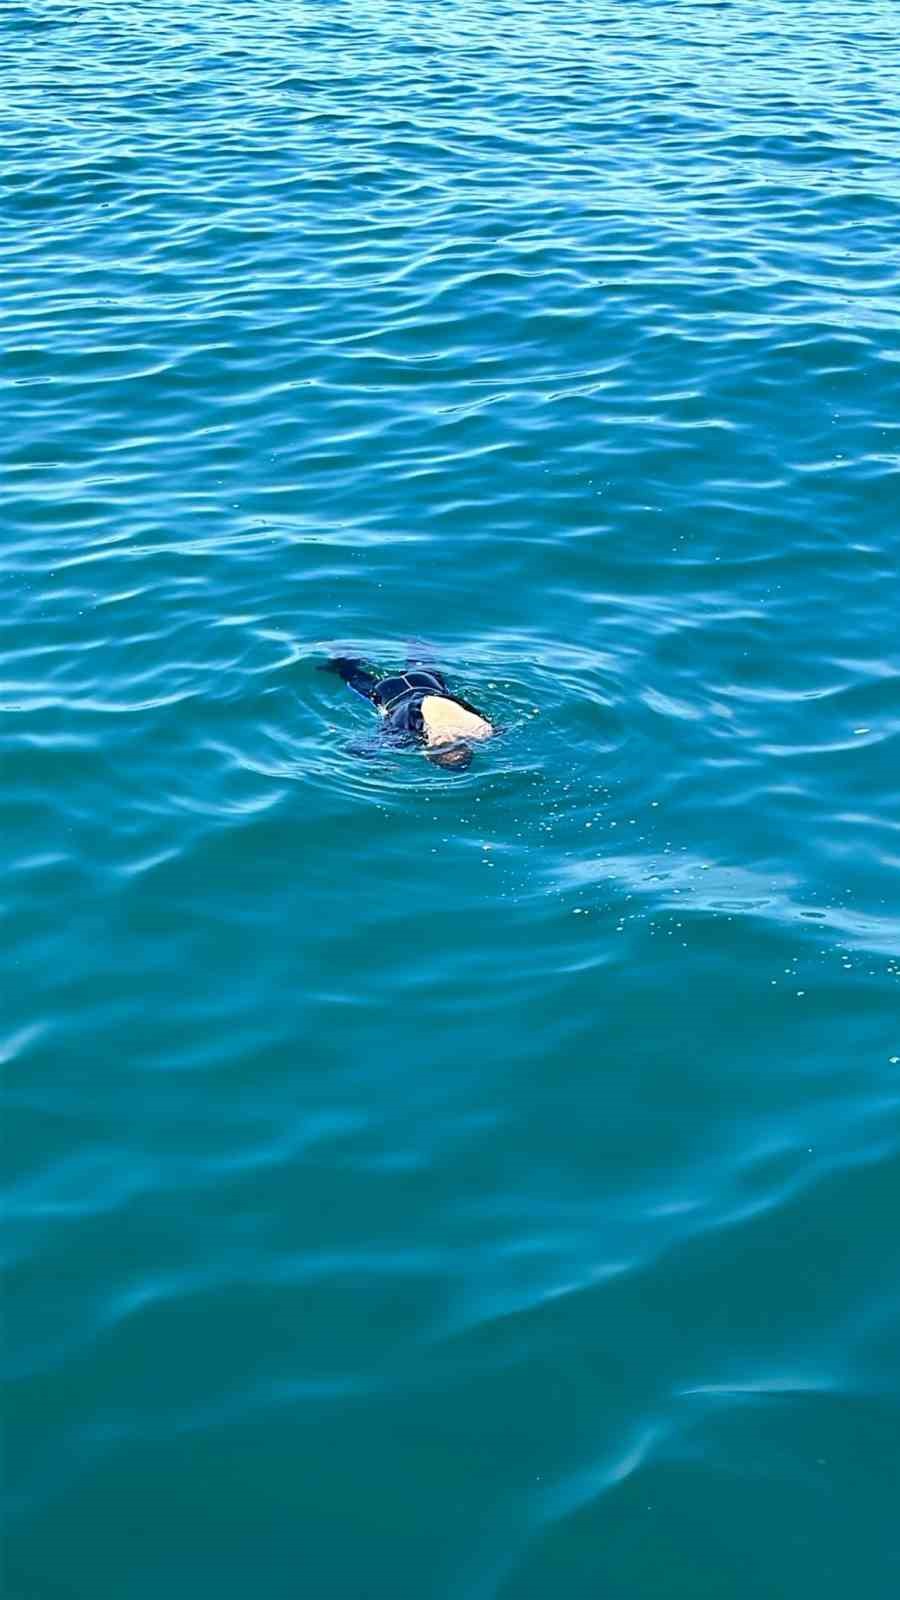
x=354 y=674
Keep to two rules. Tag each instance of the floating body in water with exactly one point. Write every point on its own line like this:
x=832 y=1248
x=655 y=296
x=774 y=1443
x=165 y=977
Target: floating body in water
x=418 y=708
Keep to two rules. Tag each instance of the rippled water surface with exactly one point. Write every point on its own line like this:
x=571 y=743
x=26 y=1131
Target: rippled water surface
x=482 y=1186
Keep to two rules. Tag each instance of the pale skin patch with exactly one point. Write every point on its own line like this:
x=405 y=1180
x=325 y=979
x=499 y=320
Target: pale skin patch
x=444 y=721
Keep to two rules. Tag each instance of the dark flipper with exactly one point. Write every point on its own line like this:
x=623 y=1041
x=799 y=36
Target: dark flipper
x=354 y=674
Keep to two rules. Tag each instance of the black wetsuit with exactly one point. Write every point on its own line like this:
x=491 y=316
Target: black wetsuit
x=399 y=697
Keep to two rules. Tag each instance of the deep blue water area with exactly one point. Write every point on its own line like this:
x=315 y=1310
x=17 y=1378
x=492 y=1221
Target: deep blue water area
x=426 y=1185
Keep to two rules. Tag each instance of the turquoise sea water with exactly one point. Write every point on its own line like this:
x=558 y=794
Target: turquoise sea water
x=483 y=1186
